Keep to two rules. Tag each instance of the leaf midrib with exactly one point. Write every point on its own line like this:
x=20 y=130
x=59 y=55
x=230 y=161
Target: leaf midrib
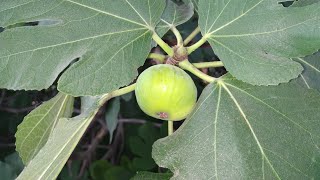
x=286 y=162
x=223 y=84
x=86 y=120
x=280 y=113
x=60 y=112
x=308 y=64
x=107 y=13
x=305 y=81
x=235 y=19
x=287 y=118
x=139 y=13
x=17 y=6
x=266 y=63
x=275 y=110
x=215 y=134
x=75 y=41
x=43 y=116
x=214 y=22
x=262 y=33
x=190 y=117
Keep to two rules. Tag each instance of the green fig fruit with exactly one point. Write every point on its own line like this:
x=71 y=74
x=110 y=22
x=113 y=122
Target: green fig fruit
x=166 y=92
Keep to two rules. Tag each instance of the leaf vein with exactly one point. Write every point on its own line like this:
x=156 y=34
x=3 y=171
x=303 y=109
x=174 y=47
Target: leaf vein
x=78 y=40
x=104 y=12
x=251 y=129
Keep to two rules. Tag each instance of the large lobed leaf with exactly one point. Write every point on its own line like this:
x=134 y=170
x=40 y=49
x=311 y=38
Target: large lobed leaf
x=304 y=2
x=48 y=163
x=310 y=77
x=34 y=131
x=255 y=39
x=195 y=4
x=174 y=15
x=111 y=38
x=240 y=131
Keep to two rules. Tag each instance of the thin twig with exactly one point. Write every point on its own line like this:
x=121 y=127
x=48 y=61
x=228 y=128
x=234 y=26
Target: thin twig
x=7 y=145
x=191 y=36
x=17 y=111
x=91 y=149
x=213 y=64
x=113 y=148
x=121 y=143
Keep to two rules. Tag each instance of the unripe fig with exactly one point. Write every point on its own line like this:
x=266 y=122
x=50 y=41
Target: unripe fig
x=166 y=92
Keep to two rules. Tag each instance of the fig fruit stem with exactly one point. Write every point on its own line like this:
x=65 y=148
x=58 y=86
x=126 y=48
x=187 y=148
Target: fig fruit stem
x=186 y=65
x=178 y=35
x=162 y=58
x=208 y=64
x=170 y=127
x=191 y=36
x=197 y=44
x=162 y=44
x=159 y=57
x=116 y=93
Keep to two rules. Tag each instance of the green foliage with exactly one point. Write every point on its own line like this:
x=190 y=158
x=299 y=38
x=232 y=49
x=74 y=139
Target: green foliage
x=11 y=167
x=37 y=126
x=304 y=3
x=58 y=146
x=240 y=131
x=138 y=154
x=310 y=77
x=112 y=116
x=7 y=172
x=141 y=146
x=260 y=37
x=174 y=15
x=94 y=49
x=103 y=170
x=127 y=25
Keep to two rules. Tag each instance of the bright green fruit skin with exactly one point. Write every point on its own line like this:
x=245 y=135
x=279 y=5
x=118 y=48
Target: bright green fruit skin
x=166 y=92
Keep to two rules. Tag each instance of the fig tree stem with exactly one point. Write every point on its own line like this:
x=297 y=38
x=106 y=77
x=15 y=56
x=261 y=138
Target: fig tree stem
x=191 y=36
x=208 y=64
x=170 y=127
x=197 y=44
x=159 y=57
x=191 y=68
x=116 y=93
x=162 y=44
x=178 y=35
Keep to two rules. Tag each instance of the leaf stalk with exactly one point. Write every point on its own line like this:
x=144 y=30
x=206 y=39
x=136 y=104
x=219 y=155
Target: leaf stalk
x=197 y=44
x=191 y=36
x=186 y=65
x=213 y=64
x=170 y=128
x=178 y=35
x=159 y=57
x=162 y=44
x=116 y=93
